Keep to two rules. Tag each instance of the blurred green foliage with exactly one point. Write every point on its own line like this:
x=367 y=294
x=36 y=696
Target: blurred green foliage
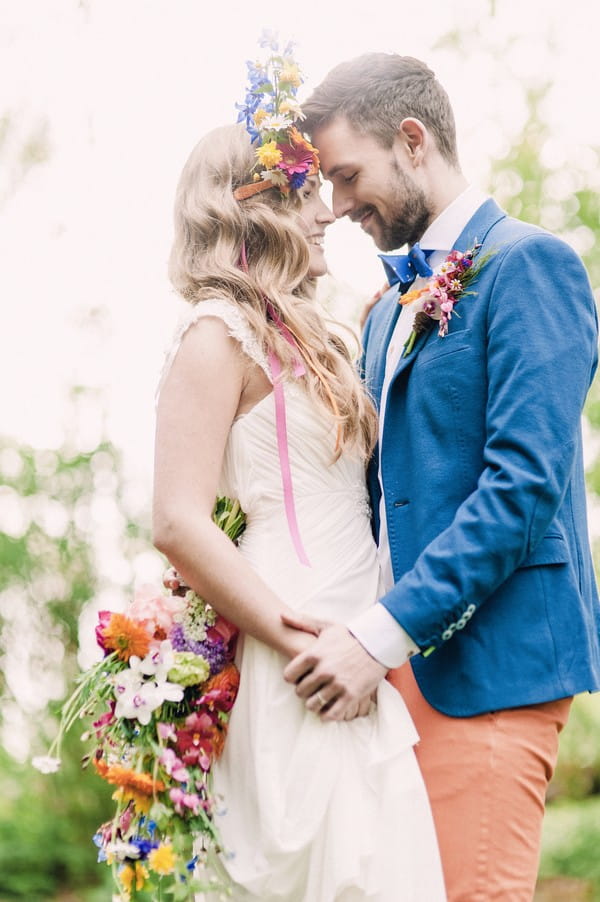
x=577 y=774
x=47 y=575
x=46 y=825
x=571 y=844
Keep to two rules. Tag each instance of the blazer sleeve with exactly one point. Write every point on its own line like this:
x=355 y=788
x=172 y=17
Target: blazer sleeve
x=541 y=357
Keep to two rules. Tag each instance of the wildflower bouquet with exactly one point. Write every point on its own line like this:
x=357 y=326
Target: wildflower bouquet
x=160 y=698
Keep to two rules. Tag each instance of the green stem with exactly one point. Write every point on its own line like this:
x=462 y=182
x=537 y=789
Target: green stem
x=410 y=343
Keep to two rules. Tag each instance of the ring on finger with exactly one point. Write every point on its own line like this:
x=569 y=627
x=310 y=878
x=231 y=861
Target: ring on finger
x=322 y=701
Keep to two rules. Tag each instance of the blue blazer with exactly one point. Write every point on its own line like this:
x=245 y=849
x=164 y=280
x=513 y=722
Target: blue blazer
x=483 y=478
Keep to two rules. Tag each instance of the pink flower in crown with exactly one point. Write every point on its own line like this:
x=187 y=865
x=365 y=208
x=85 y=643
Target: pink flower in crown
x=155 y=610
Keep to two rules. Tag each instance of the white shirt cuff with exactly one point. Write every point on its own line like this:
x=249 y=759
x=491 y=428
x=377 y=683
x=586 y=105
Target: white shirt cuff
x=382 y=636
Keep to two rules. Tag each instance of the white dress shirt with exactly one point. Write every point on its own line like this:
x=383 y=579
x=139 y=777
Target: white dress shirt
x=377 y=631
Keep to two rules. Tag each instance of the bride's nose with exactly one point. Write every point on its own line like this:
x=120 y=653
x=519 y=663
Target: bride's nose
x=324 y=214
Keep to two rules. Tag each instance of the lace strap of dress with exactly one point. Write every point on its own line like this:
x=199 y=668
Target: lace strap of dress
x=237 y=326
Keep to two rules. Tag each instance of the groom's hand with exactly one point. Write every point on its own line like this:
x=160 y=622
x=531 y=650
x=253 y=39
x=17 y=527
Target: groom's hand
x=334 y=674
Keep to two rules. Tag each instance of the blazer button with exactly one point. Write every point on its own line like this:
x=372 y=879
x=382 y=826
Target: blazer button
x=448 y=633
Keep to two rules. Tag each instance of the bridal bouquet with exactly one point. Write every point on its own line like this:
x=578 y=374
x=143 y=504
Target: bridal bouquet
x=160 y=700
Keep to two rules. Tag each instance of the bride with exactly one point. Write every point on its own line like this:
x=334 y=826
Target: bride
x=260 y=401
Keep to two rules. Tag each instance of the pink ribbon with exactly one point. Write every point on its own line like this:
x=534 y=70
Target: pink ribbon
x=281 y=421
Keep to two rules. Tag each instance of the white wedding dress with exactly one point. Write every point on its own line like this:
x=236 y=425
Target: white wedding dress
x=312 y=811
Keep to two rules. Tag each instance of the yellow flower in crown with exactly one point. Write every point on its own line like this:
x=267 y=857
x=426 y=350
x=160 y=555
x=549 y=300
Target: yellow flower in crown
x=259 y=117
x=268 y=155
x=291 y=74
x=291 y=107
x=271 y=112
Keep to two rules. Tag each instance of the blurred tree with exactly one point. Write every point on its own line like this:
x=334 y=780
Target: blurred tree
x=54 y=506
x=24 y=144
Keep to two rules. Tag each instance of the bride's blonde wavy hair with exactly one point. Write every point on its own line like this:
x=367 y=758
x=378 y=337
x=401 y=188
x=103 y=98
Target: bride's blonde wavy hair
x=210 y=228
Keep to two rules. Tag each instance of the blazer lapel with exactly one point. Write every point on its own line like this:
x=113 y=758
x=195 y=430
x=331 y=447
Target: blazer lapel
x=475 y=232
x=380 y=341
x=477 y=228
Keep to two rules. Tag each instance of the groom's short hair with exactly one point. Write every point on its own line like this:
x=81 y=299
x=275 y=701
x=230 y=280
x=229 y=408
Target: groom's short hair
x=376 y=91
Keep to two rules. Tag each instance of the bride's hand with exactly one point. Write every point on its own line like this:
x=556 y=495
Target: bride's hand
x=298 y=641
x=363 y=707
x=306 y=629
x=305 y=624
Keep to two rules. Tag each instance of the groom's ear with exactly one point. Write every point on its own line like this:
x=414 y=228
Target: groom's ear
x=414 y=138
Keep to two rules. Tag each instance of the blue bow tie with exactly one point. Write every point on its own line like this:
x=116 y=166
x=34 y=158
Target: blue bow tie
x=404 y=268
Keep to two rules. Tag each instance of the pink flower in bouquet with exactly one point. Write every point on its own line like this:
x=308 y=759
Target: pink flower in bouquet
x=103 y=621
x=195 y=742
x=222 y=628
x=156 y=611
x=105 y=719
x=173 y=766
x=166 y=731
x=183 y=800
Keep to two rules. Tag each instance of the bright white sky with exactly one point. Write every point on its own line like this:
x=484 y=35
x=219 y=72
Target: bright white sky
x=128 y=87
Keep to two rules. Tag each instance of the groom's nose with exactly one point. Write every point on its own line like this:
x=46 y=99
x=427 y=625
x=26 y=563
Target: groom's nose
x=341 y=203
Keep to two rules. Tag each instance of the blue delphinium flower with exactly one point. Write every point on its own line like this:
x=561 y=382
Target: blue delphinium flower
x=269 y=38
x=297 y=179
x=145 y=846
x=99 y=842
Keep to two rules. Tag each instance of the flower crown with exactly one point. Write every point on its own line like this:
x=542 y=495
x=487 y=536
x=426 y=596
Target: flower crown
x=284 y=158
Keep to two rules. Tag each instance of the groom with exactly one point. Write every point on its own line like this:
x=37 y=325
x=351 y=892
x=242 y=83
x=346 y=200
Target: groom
x=477 y=484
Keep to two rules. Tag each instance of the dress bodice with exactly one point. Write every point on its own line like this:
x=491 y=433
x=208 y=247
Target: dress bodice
x=330 y=495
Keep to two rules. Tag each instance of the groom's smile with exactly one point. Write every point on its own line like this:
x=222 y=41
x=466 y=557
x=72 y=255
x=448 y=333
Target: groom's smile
x=372 y=184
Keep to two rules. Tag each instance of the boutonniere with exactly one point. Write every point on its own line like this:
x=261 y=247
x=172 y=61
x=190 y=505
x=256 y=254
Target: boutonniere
x=437 y=300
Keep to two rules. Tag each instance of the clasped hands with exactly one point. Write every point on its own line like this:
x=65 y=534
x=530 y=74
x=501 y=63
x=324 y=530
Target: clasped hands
x=335 y=676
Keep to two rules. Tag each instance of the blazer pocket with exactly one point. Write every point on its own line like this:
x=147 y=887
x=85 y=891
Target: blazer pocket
x=551 y=550
x=441 y=347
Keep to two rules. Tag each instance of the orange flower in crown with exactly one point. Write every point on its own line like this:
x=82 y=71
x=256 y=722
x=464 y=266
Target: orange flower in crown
x=284 y=158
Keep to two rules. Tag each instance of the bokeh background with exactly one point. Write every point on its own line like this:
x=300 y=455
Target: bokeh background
x=100 y=103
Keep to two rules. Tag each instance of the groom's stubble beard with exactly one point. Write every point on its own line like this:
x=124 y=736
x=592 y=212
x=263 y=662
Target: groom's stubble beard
x=411 y=212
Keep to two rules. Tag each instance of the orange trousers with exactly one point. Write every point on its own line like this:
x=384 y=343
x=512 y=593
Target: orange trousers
x=487 y=778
